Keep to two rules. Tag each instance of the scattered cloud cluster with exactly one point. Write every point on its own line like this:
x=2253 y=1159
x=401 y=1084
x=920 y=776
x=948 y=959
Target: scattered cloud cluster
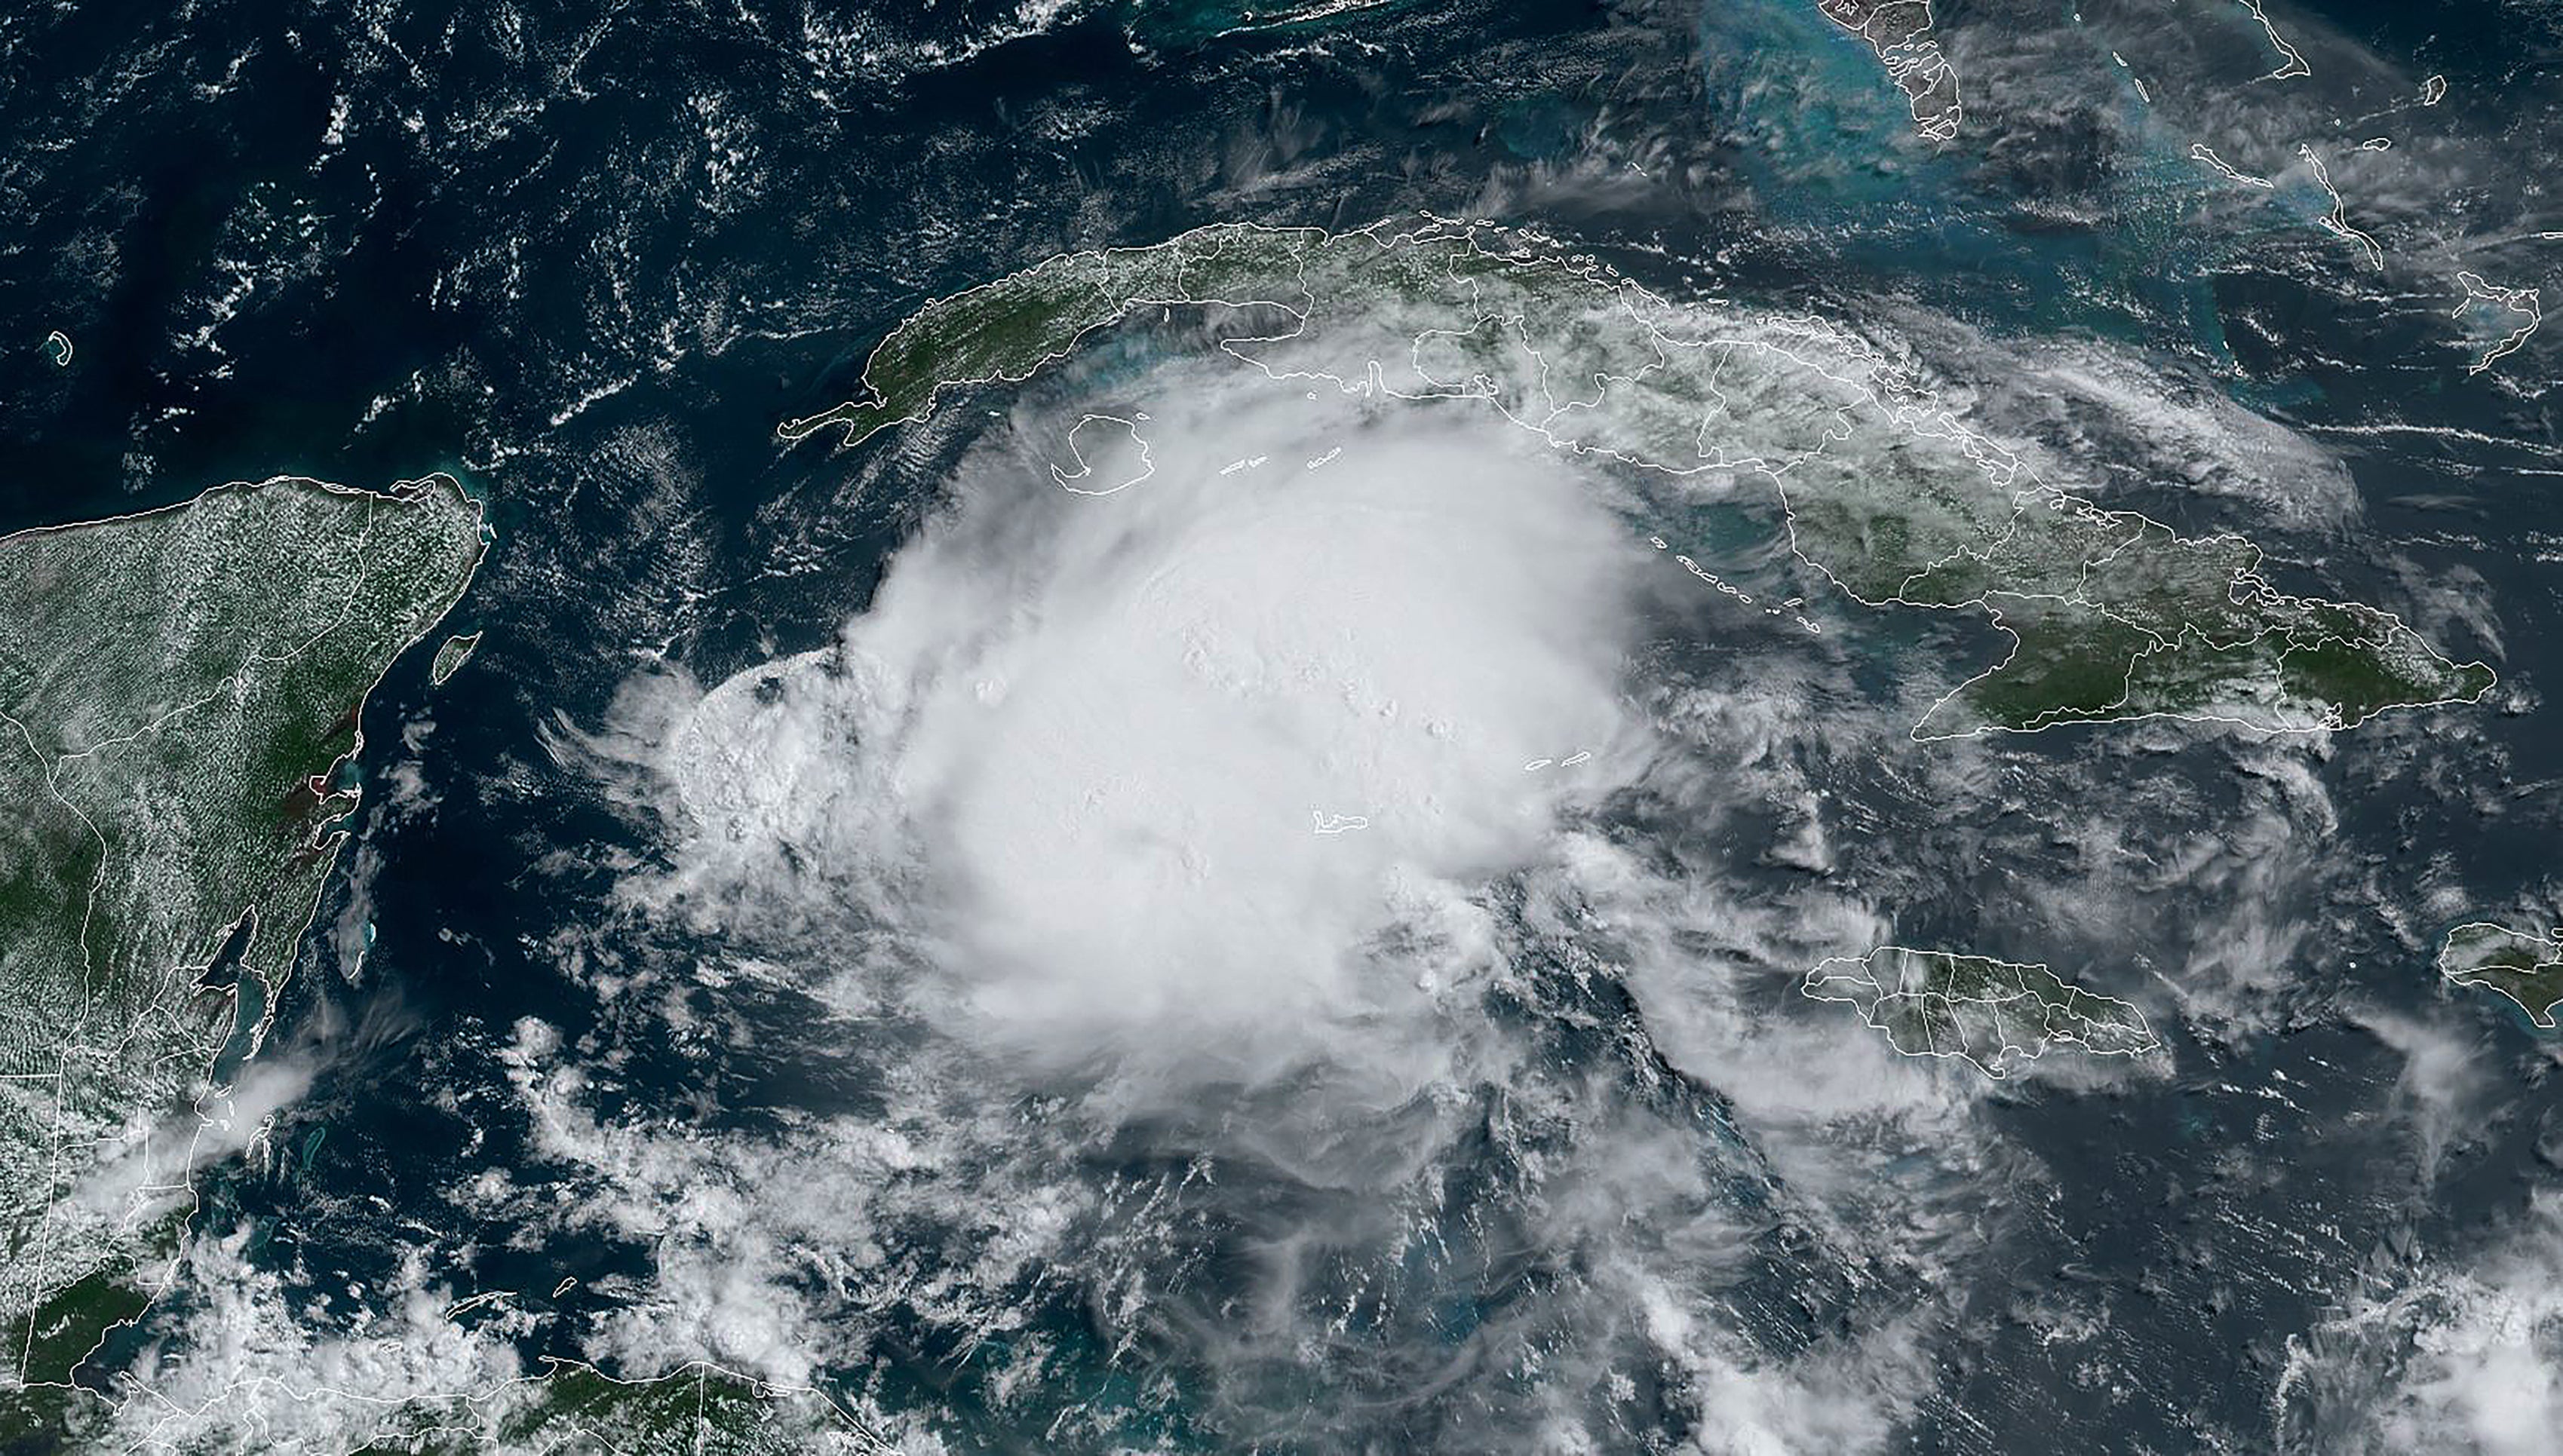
x=2460 y=1359
x=1263 y=830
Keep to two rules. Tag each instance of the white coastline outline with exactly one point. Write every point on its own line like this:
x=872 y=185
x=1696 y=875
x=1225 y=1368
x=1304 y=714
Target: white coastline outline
x=2514 y=300
x=1998 y=1070
x=1085 y=468
x=2290 y=64
x=328 y=840
x=2541 y=1017
x=2337 y=222
x=2199 y=151
x=463 y=644
x=1915 y=65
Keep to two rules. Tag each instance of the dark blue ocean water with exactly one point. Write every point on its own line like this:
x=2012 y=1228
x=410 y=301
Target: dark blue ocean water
x=586 y=260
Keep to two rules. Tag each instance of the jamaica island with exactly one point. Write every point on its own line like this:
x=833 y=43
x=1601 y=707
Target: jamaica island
x=1993 y=1014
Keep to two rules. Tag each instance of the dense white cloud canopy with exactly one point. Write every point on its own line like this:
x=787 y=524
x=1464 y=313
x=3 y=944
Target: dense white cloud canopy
x=1206 y=767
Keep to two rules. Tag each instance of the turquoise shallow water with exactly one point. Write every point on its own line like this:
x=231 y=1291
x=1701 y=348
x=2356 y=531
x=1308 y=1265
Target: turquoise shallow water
x=589 y=269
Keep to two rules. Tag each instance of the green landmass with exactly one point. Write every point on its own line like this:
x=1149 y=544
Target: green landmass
x=68 y=1323
x=2115 y=615
x=2527 y=969
x=42 y=1420
x=1899 y=32
x=179 y=690
x=695 y=1411
x=1994 y=1014
x=450 y=654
